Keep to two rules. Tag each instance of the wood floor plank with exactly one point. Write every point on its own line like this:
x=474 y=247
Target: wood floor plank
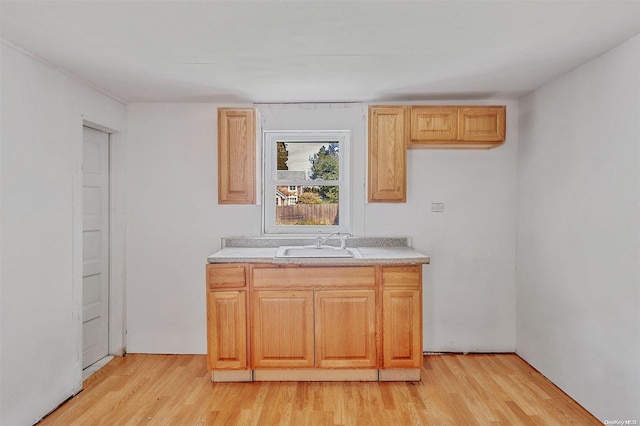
x=388 y=401
x=496 y=389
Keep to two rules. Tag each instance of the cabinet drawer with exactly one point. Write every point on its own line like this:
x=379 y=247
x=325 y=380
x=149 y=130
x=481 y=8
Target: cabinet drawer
x=226 y=275
x=342 y=276
x=402 y=276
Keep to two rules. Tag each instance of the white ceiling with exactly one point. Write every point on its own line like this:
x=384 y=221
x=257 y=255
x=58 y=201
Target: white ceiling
x=316 y=51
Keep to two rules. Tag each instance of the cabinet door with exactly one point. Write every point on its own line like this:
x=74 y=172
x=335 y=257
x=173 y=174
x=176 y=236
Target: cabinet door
x=236 y=156
x=226 y=330
x=345 y=329
x=401 y=329
x=388 y=126
x=282 y=329
x=482 y=123
x=434 y=123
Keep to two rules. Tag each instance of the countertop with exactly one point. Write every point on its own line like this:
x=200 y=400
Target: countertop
x=382 y=251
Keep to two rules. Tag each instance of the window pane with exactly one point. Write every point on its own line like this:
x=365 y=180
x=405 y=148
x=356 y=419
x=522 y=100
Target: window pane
x=308 y=160
x=306 y=186
x=307 y=205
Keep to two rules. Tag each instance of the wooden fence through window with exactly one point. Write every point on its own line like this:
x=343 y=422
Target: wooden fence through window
x=307 y=214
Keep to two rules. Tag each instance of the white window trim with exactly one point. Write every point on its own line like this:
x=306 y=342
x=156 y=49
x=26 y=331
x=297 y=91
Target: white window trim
x=270 y=137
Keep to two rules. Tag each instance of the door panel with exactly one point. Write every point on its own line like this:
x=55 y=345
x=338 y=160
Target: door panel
x=95 y=246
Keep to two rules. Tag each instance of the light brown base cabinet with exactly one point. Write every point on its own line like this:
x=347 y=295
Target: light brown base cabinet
x=304 y=323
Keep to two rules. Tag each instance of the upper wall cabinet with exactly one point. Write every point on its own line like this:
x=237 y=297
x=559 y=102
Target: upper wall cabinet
x=388 y=126
x=236 y=155
x=457 y=126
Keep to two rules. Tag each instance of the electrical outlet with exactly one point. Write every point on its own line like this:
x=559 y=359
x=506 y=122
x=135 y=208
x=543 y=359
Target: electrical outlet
x=437 y=207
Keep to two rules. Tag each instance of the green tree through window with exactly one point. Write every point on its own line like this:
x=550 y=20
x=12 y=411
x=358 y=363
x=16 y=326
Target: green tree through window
x=325 y=165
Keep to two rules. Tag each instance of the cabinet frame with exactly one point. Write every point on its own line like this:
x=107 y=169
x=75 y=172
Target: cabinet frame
x=227 y=321
x=305 y=305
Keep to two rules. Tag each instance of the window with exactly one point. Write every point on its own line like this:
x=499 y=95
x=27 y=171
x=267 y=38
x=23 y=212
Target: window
x=306 y=181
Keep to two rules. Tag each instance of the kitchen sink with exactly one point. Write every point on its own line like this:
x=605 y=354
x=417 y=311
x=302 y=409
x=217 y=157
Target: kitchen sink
x=313 y=251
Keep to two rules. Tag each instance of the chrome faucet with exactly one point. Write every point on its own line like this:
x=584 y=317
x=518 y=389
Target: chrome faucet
x=343 y=240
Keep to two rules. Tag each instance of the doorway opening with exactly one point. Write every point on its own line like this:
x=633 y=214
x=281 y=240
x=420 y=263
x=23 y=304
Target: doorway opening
x=95 y=249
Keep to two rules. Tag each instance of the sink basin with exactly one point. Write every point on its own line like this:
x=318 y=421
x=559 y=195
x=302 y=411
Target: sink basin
x=313 y=251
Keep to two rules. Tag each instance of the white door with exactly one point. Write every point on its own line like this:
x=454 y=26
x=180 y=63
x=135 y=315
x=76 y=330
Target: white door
x=95 y=246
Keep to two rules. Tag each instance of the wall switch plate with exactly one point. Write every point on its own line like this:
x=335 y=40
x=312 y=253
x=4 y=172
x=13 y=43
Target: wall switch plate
x=437 y=207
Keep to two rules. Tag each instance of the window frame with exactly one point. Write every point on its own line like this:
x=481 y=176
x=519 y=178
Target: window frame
x=270 y=181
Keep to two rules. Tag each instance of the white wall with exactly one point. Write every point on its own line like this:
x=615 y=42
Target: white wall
x=174 y=222
x=42 y=112
x=579 y=233
x=469 y=287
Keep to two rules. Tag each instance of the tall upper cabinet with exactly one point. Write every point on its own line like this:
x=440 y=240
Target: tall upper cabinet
x=236 y=155
x=387 y=154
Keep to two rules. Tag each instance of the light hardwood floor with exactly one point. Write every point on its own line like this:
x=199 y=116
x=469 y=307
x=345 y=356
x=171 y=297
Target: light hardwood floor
x=455 y=390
